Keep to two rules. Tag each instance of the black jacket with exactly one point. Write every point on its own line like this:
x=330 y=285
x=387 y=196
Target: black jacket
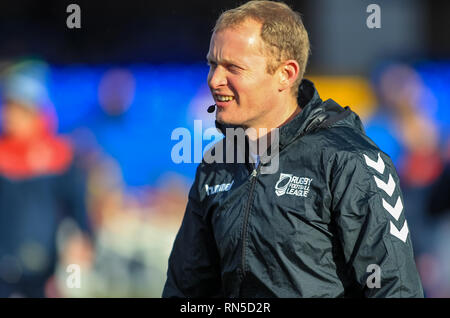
x=326 y=224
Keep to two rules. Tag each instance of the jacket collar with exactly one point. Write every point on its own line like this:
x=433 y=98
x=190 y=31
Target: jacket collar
x=308 y=100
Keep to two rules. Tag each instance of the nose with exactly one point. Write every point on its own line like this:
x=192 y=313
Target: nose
x=217 y=77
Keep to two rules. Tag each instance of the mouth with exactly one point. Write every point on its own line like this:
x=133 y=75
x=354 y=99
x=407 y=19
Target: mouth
x=222 y=100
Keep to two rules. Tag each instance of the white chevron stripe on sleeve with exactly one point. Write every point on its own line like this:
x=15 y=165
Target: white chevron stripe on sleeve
x=402 y=234
x=377 y=165
x=396 y=210
x=386 y=187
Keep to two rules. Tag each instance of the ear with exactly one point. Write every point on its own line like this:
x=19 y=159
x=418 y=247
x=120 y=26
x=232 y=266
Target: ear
x=288 y=73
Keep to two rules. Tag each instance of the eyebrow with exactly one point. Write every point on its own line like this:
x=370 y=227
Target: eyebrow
x=224 y=61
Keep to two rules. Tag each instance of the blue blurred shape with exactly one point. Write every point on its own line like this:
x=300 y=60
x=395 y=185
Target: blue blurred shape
x=139 y=138
x=436 y=77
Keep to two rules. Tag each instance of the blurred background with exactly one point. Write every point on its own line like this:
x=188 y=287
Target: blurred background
x=86 y=175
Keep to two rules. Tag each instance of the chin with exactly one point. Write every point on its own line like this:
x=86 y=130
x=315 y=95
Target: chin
x=228 y=121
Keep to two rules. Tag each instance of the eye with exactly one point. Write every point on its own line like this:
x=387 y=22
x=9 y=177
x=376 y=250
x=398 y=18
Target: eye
x=233 y=68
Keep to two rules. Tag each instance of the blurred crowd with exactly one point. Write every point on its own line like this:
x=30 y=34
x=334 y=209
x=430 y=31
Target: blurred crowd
x=411 y=125
x=64 y=200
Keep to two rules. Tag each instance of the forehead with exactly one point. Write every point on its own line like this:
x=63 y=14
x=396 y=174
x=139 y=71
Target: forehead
x=240 y=41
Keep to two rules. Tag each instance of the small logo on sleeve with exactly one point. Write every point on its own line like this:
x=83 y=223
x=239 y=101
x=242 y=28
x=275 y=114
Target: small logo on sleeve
x=292 y=185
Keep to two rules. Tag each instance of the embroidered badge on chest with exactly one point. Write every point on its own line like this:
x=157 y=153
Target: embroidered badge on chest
x=292 y=185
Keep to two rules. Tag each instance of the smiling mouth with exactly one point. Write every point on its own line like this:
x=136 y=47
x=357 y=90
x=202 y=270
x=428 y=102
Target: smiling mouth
x=224 y=98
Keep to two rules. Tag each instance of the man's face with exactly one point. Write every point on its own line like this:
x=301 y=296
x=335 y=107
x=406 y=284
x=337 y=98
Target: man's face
x=242 y=89
x=18 y=120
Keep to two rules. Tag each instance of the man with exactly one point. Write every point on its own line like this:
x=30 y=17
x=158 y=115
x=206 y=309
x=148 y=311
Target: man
x=329 y=222
x=40 y=185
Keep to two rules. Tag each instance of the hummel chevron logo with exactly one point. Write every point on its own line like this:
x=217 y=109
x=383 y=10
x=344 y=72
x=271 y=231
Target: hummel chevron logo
x=389 y=187
x=377 y=165
x=386 y=187
x=402 y=234
x=396 y=210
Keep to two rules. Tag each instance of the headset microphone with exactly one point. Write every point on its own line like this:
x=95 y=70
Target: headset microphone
x=211 y=108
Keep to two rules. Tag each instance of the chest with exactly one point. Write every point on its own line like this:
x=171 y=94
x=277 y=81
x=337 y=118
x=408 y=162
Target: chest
x=251 y=205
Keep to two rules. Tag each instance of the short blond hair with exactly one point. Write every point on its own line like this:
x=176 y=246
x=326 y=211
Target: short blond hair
x=283 y=33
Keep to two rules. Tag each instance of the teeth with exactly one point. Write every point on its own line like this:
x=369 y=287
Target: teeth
x=223 y=98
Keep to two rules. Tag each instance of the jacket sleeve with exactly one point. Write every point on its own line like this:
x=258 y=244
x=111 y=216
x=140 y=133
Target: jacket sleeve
x=367 y=207
x=194 y=269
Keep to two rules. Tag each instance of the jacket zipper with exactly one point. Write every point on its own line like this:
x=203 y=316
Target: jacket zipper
x=246 y=215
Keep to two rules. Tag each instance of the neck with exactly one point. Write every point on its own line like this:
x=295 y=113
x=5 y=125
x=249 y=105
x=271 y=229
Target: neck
x=281 y=116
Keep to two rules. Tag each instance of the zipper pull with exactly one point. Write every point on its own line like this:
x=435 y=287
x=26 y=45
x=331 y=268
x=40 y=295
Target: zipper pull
x=254 y=172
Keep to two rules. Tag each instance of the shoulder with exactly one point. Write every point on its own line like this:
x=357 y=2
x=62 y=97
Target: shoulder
x=346 y=149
